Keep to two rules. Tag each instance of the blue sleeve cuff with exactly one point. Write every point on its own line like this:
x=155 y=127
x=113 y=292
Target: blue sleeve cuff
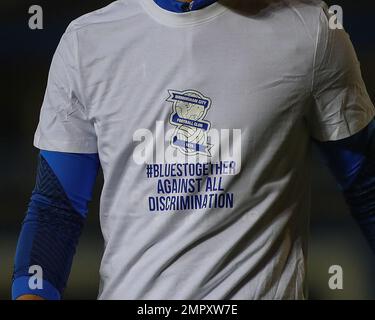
x=21 y=287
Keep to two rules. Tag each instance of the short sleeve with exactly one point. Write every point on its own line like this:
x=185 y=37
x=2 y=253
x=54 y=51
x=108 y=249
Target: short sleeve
x=342 y=106
x=64 y=124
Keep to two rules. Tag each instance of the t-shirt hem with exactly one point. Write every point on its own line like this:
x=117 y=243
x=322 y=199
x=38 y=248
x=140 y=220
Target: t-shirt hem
x=337 y=133
x=83 y=146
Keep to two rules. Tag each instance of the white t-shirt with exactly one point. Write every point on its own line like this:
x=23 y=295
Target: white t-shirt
x=203 y=123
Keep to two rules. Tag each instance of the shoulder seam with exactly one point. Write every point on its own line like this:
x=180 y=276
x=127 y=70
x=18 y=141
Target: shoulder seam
x=72 y=28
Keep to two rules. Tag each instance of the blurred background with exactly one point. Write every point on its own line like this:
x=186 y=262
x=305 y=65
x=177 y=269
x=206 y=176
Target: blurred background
x=25 y=56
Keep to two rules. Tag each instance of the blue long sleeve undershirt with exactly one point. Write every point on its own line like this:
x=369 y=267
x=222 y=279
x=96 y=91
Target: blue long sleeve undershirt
x=54 y=222
x=352 y=162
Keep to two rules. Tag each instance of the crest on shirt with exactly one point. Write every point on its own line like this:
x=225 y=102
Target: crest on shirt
x=189 y=110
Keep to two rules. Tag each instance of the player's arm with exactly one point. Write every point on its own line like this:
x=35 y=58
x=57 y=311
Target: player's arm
x=352 y=162
x=341 y=121
x=53 y=223
x=65 y=177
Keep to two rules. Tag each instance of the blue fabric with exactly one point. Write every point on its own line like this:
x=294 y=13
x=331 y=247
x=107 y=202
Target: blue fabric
x=346 y=157
x=352 y=161
x=52 y=226
x=179 y=7
x=77 y=174
x=21 y=287
x=361 y=200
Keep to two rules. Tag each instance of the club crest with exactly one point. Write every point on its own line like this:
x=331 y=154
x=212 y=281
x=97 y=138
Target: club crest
x=190 y=108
